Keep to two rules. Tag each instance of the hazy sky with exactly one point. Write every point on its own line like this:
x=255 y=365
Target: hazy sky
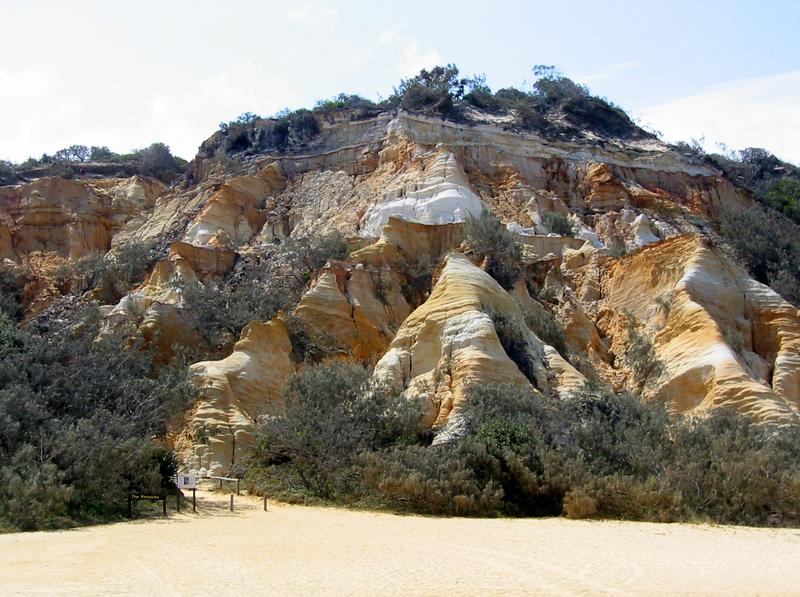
x=125 y=74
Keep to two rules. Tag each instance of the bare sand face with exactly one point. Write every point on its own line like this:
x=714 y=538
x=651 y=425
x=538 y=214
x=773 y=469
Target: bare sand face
x=299 y=550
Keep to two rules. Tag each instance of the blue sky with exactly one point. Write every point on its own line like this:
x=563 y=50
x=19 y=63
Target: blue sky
x=124 y=74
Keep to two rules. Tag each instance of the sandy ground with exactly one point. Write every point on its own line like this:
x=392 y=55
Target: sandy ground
x=295 y=550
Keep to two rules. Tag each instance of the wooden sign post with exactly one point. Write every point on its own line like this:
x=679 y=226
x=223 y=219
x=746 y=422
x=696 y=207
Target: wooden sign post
x=149 y=498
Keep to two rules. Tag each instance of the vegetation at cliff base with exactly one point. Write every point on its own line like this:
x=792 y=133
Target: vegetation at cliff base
x=80 y=421
x=341 y=439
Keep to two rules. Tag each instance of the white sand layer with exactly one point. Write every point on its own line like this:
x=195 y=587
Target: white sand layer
x=295 y=550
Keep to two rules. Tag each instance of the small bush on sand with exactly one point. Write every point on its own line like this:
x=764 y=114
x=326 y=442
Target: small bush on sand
x=332 y=412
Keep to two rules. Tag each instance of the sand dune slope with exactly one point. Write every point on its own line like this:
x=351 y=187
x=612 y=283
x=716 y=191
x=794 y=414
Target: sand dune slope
x=294 y=550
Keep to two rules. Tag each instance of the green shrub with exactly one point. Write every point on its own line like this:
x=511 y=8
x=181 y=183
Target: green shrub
x=434 y=91
x=251 y=133
x=614 y=456
x=664 y=302
x=303 y=126
x=695 y=148
x=514 y=342
x=73 y=153
x=257 y=288
x=561 y=225
x=640 y=357
x=768 y=244
x=489 y=240
x=310 y=344
x=12 y=284
x=771 y=180
x=579 y=504
x=429 y=480
x=583 y=363
x=480 y=95
x=110 y=276
x=244 y=119
x=8 y=173
x=785 y=197
x=345 y=101
x=157 y=161
x=418 y=274
x=332 y=412
x=730 y=470
x=78 y=419
x=543 y=323
x=101 y=154
x=764 y=237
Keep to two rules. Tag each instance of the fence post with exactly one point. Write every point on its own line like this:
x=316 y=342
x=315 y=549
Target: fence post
x=178 y=500
x=220 y=483
x=231 y=502
x=265 y=502
x=164 y=502
x=194 y=500
x=238 y=481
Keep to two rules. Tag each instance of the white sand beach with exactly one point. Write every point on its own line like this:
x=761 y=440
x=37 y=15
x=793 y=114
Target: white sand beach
x=296 y=550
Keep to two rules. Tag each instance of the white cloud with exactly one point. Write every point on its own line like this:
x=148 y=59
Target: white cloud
x=357 y=57
x=756 y=112
x=310 y=11
x=300 y=12
x=131 y=115
x=21 y=85
x=387 y=37
x=606 y=73
x=186 y=117
x=416 y=57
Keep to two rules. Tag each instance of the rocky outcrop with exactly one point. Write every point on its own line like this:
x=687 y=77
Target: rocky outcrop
x=725 y=340
x=442 y=196
x=358 y=307
x=550 y=245
x=233 y=392
x=235 y=212
x=70 y=218
x=405 y=182
x=407 y=243
x=451 y=341
x=605 y=190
